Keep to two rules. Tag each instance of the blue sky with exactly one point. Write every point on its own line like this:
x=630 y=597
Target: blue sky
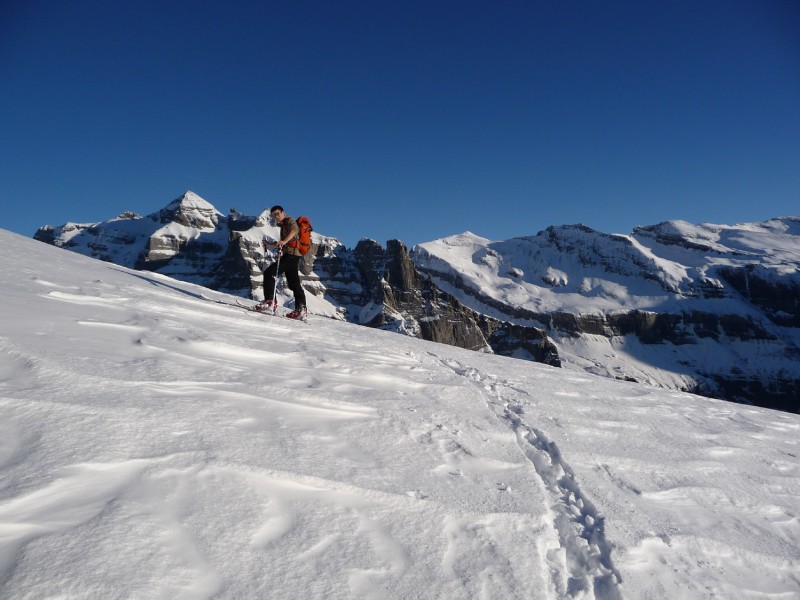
x=411 y=120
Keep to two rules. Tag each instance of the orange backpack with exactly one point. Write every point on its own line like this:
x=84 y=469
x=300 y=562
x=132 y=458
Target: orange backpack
x=303 y=241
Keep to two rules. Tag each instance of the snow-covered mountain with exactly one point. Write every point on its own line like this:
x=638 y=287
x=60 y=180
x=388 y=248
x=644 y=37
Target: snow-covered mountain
x=711 y=309
x=154 y=444
x=189 y=239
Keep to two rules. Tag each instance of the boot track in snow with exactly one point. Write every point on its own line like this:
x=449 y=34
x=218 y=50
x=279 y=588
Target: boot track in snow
x=581 y=566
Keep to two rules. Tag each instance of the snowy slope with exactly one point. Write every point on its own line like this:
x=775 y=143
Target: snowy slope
x=157 y=445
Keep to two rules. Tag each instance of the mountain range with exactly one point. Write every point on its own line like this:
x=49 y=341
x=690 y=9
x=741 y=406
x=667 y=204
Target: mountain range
x=710 y=309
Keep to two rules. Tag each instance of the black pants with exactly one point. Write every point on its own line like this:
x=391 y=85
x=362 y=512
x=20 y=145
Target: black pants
x=289 y=265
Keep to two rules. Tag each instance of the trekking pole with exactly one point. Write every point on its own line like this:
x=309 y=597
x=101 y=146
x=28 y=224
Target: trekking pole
x=277 y=275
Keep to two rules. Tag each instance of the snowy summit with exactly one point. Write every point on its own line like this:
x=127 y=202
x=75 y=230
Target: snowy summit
x=154 y=444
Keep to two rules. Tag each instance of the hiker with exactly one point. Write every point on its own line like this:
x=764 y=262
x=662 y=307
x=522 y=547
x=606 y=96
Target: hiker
x=288 y=263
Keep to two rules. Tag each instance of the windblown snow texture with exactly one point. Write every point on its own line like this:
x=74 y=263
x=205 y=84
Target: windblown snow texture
x=154 y=444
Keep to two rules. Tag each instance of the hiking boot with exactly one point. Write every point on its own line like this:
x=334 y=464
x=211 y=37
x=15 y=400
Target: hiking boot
x=298 y=313
x=267 y=306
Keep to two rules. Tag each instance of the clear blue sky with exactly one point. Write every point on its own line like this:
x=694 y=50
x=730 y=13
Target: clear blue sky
x=403 y=119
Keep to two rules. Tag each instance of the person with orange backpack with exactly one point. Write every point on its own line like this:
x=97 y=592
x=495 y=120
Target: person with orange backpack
x=294 y=243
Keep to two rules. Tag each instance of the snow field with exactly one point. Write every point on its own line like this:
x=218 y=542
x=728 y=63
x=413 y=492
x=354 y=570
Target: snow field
x=157 y=445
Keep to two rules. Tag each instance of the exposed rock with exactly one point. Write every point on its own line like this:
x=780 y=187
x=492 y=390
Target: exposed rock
x=383 y=288
x=778 y=296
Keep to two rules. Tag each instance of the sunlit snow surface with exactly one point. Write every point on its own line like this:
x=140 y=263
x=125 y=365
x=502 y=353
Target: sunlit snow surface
x=157 y=445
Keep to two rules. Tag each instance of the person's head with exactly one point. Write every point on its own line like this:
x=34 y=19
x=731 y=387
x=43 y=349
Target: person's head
x=276 y=212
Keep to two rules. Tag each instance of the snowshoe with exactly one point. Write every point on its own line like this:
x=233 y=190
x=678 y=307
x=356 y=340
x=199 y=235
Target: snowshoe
x=299 y=313
x=270 y=306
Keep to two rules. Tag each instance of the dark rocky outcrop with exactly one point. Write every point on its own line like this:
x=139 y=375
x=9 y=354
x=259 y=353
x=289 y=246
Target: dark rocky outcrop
x=383 y=288
x=777 y=296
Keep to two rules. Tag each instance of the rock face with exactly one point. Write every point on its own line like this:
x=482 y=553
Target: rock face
x=710 y=309
x=382 y=288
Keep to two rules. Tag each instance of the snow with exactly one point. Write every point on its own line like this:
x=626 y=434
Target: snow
x=191 y=200
x=609 y=272
x=157 y=445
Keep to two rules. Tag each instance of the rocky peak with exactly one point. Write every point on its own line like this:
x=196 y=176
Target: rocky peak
x=127 y=215
x=401 y=273
x=190 y=210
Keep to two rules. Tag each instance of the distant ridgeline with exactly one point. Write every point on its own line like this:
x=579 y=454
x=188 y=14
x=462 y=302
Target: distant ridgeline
x=710 y=309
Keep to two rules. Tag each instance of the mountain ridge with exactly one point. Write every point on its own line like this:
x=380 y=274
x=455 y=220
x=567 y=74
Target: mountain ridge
x=712 y=309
